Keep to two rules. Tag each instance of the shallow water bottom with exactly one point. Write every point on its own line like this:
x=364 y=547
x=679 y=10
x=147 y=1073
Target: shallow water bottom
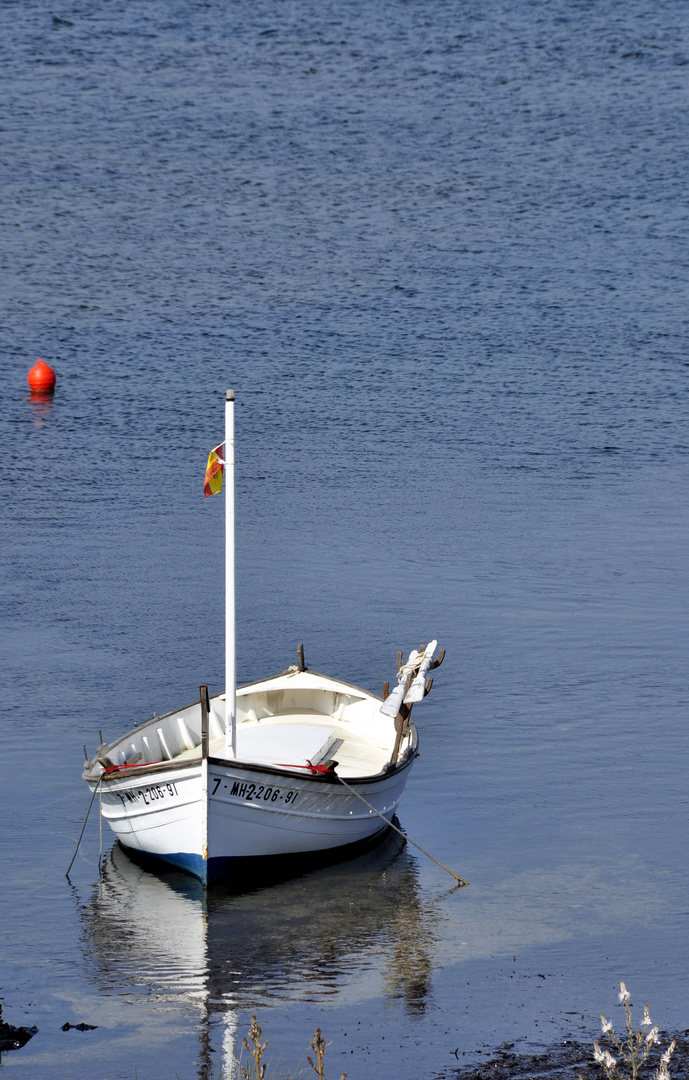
x=399 y=972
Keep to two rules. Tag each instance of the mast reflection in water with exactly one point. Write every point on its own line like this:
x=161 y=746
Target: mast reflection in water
x=157 y=937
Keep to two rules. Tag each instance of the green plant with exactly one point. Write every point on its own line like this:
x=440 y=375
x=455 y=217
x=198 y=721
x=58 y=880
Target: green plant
x=633 y=1050
x=256 y=1049
x=319 y=1045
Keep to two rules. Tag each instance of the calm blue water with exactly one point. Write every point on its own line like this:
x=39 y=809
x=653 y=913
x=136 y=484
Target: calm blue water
x=440 y=252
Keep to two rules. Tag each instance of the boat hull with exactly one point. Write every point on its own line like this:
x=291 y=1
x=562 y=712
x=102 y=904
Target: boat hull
x=253 y=814
x=245 y=872
x=158 y=813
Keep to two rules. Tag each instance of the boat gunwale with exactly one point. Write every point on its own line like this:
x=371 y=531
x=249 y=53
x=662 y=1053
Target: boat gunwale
x=138 y=771
x=325 y=778
x=306 y=671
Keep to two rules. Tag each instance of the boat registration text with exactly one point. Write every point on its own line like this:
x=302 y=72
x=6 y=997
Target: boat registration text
x=149 y=794
x=257 y=792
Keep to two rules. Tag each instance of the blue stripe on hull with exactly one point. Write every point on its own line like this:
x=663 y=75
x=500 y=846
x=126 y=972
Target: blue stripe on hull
x=183 y=860
x=255 y=870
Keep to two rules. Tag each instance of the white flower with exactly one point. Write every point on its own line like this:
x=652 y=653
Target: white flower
x=652 y=1036
x=604 y=1057
x=606 y=1025
x=609 y=1061
x=646 y=1022
x=624 y=994
x=668 y=1053
x=662 y=1072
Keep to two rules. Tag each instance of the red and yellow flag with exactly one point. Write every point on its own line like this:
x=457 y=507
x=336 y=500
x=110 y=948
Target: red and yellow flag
x=214 y=470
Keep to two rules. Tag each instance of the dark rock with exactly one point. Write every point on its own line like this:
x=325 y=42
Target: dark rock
x=79 y=1027
x=12 y=1038
x=568 y=1060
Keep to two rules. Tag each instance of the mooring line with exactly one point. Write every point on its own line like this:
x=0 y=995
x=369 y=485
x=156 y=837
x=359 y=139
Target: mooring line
x=407 y=838
x=95 y=791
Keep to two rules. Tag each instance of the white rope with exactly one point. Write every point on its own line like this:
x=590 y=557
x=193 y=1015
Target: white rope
x=413 y=664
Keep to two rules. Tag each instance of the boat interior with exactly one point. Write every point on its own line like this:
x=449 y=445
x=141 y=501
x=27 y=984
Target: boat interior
x=290 y=722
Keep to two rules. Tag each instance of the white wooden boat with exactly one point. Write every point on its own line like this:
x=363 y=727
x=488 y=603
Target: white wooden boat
x=281 y=769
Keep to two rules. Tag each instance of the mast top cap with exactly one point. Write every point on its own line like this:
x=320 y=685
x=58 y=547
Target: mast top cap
x=229 y=395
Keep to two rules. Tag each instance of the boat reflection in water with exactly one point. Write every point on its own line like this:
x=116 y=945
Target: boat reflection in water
x=160 y=937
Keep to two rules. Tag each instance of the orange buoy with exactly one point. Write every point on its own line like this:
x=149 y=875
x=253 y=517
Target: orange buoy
x=41 y=378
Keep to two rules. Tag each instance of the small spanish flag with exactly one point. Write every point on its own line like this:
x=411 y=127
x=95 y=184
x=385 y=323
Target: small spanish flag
x=214 y=471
